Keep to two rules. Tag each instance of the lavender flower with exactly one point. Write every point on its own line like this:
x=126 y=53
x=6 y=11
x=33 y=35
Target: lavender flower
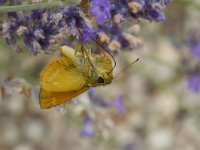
x=130 y=9
x=146 y=9
x=49 y=28
x=196 y=50
x=72 y=19
x=194 y=82
x=2 y=1
x=55 y=27
x=87 y=130
x=191 y=61
x=88 y=35
x=96 y=99
x=116 y=104
x=116 y=38
x=101 y=10
x=119 y=104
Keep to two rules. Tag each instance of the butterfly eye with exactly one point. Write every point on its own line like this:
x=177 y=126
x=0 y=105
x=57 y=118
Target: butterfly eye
x=100 y=80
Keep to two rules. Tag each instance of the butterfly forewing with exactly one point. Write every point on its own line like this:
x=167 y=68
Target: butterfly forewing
x=61 y=76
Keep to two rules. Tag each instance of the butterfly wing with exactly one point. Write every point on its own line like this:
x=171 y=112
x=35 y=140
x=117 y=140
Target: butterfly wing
x=63 y=75
x=62 y=80
x=50 y=99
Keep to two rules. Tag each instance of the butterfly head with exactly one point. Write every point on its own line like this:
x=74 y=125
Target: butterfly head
x=101 y=78
x=104 y=77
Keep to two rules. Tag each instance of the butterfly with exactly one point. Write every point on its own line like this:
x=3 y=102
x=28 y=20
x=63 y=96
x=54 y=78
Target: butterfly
x=73 y=74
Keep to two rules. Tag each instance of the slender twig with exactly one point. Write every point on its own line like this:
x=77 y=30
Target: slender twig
x=25 y=7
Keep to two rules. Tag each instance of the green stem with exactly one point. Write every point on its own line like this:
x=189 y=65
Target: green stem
x=26 y=7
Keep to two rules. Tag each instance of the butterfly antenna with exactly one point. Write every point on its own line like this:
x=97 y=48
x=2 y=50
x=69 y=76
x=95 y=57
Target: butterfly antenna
x=125 y=68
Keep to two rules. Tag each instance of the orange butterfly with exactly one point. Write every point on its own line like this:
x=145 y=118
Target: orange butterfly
x=73 y=74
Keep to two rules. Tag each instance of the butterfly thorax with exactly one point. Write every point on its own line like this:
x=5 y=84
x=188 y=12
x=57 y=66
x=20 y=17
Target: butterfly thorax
x=100 y=70
x=100 y=75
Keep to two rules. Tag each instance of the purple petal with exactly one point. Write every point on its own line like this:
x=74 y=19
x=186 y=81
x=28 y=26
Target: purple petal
x=194 y=83
x=96 y=99
x=88 y=34
x=101 y=9
x=87 y=130
x=196 y=50
x=119 y=104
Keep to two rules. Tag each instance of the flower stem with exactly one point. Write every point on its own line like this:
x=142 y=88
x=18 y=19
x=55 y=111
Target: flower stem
x=26 y=7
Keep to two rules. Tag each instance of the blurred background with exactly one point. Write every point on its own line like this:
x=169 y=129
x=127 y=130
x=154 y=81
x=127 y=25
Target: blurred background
x=161 y=95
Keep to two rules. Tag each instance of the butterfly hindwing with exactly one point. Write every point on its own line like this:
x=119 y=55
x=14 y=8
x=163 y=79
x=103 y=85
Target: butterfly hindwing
x=50 y=99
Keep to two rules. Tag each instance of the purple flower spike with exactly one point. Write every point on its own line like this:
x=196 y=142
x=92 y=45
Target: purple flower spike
x=194 y=83
x=119 y=104
x=87 y=130
x=196 y=50
x=88 y=35
x=101 y=9
x=156 y=15
x=2 y=1
x=96 y=99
